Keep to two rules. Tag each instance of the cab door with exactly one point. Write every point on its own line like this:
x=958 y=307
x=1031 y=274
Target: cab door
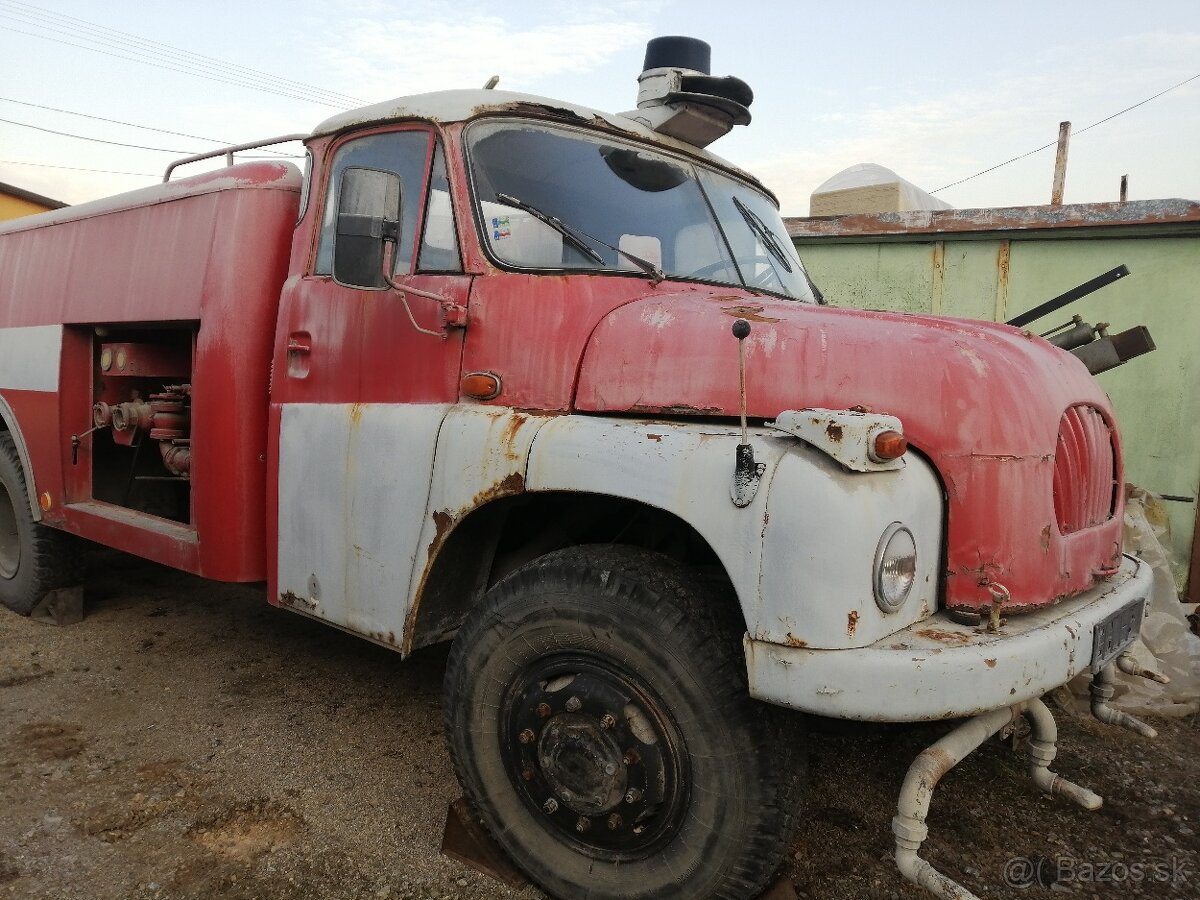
x=364 y=377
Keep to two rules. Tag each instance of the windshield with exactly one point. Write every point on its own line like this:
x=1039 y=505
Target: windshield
x=557 y=198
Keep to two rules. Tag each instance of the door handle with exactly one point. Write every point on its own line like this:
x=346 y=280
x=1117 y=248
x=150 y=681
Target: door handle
x=299 y=348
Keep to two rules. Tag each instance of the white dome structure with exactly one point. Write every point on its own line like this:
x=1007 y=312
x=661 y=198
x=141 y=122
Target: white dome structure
x=869 y=188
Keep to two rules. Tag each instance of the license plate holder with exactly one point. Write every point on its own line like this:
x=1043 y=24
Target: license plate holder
x=1114 y=635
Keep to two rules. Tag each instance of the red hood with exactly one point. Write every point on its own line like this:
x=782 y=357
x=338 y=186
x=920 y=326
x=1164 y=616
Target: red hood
x=983 y=402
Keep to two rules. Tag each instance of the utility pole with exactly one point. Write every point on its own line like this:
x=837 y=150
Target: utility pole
x=1060 y=164
x=1124 y=188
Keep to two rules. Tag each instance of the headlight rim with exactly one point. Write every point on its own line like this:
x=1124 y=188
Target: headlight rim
x=882 y=600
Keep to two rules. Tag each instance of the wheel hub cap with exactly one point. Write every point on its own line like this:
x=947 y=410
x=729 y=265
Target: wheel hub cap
x=582 y=763
x=594 y=754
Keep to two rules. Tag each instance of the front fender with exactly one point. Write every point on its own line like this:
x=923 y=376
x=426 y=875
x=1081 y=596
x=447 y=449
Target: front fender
x=800 y=555
x=824 y=528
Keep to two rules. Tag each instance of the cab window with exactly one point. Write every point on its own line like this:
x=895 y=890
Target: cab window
x=404 y=153
x=439 y=245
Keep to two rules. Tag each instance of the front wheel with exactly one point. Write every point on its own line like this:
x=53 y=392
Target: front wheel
x=598 y=718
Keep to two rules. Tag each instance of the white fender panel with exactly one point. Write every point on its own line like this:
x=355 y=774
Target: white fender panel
x=482 y=453
x=800 y=556
x=684 y=469
x=819 y=546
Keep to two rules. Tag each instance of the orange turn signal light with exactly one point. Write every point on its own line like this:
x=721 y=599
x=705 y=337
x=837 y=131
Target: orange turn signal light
x=889 y=445
x=481 y=385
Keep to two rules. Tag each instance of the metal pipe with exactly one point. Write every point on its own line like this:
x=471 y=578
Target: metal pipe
x=932 y=765
x=228 y=152
x=1043 y=745
x=1127 y=664
x=1057 y=303
x=913 y=807
x=1102 y=691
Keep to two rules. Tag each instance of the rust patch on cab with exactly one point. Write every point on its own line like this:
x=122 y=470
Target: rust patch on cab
x=749 y=313
x=792 y=641
x=990 y=663
x=852 y=622
x=834 y=431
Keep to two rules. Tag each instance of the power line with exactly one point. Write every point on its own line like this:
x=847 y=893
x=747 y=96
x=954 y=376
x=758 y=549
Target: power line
x=113 y=39
x=1080 y=131
x=174 y=69
x=162 y=48
x=17 y=162
x=84 y=137
x=129 y=124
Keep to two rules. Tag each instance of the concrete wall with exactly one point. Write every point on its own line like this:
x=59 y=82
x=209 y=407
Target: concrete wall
x=987 y=264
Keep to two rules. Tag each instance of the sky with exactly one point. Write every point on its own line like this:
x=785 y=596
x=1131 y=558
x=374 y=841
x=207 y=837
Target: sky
x=936 y=91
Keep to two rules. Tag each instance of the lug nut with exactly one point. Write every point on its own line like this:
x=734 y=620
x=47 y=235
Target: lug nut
x=527 y=736
x=615 y=822
x=631 y=758
x=610 y=769
x=574 y=704
x=607 y=721
x=543 y=710
x=550 y=807
x=584 y=825
x=633 y=795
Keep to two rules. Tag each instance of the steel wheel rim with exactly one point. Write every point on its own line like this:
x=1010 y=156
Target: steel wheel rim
x=10 y=539
x=613 y=789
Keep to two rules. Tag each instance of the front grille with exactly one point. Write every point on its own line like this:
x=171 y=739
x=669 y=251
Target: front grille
x=1085 y=470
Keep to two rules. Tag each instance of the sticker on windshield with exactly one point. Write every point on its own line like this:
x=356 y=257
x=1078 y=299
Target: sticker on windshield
x=501 y=228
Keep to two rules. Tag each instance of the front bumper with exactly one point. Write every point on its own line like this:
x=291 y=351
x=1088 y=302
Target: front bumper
x=938 y=669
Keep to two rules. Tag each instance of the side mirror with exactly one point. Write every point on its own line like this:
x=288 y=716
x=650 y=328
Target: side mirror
x=368 y=217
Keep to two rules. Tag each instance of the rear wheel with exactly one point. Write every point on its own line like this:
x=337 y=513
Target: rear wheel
x=34 y=559
x=597 y=714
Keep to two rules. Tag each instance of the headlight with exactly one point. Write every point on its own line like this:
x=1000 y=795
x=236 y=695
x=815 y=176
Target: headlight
x=895 y=567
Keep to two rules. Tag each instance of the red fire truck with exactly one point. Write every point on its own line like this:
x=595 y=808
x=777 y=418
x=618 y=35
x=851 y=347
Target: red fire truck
x=553 y=384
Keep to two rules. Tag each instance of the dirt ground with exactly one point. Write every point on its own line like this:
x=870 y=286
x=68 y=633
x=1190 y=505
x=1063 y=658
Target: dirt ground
x=187 y=740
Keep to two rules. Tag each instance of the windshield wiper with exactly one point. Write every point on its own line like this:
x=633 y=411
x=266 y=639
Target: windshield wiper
x=759 y=227
x=557 y=224
x=576 y=236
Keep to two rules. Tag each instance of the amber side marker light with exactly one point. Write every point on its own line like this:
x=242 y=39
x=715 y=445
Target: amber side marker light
x=888 y=445
x=481 y=385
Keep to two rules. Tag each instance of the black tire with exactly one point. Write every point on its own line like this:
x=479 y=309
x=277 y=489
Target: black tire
x=34 y=559
x=716 y=774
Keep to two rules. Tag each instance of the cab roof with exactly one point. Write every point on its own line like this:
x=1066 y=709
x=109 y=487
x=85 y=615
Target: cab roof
x=461 y=105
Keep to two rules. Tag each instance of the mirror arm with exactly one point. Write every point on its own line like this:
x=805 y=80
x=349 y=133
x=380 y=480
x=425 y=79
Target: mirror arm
x=453 y=315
